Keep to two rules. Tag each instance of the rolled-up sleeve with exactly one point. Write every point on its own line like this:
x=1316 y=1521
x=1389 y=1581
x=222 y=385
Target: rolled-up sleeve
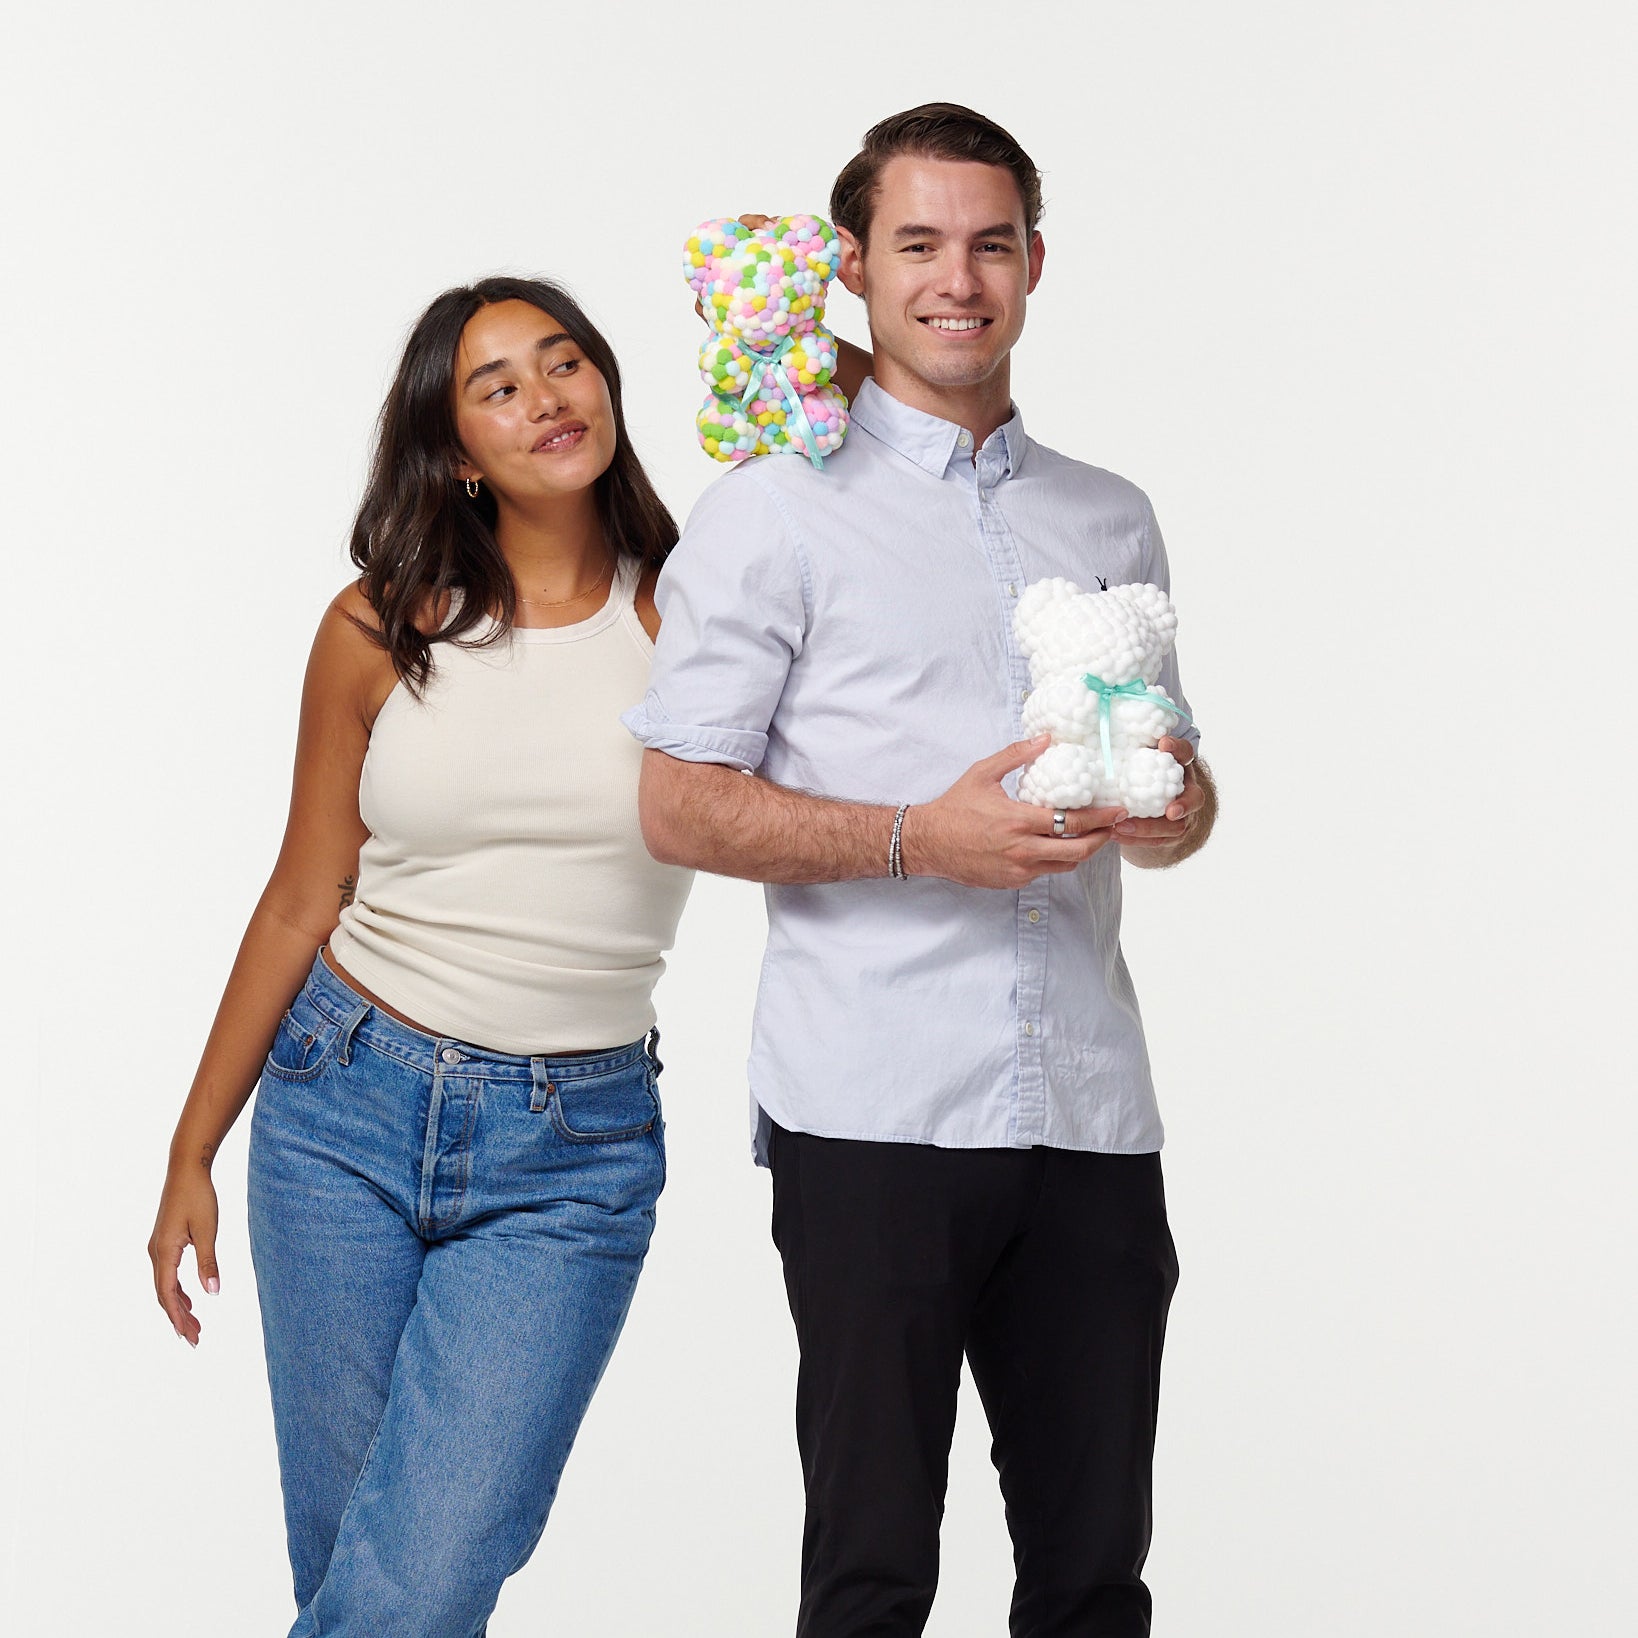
x=733 y=615
x=1157 y=572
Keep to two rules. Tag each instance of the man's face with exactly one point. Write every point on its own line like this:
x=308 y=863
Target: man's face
x=948 y=268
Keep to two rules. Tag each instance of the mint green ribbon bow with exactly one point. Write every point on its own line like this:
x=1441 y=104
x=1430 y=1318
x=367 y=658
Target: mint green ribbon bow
x=1108 y=693
x=775 y=363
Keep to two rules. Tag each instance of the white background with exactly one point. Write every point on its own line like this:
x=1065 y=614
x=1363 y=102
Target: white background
x=1347 y=290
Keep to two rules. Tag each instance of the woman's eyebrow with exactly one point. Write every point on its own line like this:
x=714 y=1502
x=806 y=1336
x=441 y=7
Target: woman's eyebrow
x=495 y=365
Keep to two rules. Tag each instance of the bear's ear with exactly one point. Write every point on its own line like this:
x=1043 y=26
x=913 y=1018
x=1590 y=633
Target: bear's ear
x=818 y=249
x=711 y=242
x=1039 y=594
x=1145 y=600
x=1152 y=603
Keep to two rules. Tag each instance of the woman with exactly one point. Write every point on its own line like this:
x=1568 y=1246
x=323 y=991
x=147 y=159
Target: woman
x=457 y=1148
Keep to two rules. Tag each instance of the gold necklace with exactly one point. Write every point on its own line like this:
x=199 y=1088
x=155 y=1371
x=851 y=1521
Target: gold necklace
x=561 y=602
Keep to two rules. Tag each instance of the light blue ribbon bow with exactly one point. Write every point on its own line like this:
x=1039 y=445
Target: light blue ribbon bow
x=1108 y=693
x=775 y=363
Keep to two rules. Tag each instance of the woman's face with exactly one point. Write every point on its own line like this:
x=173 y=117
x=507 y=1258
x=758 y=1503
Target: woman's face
x=531 y=410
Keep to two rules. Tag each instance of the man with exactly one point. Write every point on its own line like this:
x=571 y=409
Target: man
x=948 y=1070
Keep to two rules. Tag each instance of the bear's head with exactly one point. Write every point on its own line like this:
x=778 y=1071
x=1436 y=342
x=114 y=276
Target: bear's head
x=759 y=285
x=1120 y=635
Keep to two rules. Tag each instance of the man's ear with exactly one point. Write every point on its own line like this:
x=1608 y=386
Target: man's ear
x=1037 y=258
x=851 y=269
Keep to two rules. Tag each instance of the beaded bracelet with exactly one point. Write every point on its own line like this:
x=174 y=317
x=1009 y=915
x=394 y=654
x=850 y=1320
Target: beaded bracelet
x=895 y=850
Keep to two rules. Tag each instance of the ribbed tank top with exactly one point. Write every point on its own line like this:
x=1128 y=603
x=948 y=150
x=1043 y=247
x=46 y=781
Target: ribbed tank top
x=504 y=896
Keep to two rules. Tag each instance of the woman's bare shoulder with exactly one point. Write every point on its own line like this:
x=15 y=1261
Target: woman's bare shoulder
x=351 y=607
x=349 y=659
x=352 y=604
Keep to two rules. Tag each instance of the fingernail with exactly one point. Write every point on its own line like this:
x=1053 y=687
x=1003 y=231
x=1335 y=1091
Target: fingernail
x=213 y=1285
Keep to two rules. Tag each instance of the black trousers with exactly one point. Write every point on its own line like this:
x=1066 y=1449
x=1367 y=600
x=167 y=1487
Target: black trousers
x=1052 y=1272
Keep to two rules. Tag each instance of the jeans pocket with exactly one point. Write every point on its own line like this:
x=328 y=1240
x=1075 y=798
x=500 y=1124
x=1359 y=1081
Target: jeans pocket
x=302 y=1044
x=611 y=1108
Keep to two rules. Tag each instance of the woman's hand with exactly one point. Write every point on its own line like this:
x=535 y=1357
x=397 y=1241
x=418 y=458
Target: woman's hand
x=187 y=1217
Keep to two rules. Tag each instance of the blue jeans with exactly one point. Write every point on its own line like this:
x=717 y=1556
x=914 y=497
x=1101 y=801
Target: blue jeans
x=446 y=1243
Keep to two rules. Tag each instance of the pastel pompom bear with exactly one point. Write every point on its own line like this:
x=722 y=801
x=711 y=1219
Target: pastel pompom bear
x=1094 y=658
x=770 y=361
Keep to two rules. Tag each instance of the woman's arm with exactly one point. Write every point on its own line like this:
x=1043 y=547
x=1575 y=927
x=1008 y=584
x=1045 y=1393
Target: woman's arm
x=853 y=364
x=348 y=679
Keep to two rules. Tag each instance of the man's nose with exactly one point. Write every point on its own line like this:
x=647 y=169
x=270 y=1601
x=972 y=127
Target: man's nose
x=959 y=278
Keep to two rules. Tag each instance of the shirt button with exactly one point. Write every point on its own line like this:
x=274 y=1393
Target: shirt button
x=1012 y=588
x=965 y=440
x=1023 y=694
x=1029 y=1029
x=450 y=1055
x=1035 y=915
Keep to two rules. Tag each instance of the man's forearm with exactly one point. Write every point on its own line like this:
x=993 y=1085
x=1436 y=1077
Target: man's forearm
x=711 y=817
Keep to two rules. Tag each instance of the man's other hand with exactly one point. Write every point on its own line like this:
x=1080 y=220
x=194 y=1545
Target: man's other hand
x=1173 y=833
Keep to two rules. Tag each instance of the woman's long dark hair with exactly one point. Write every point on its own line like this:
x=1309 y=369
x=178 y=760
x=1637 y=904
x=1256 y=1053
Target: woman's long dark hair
x=418 y=536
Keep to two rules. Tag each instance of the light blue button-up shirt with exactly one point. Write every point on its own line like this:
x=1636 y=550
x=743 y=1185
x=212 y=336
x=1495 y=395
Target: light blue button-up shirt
x=849 y=632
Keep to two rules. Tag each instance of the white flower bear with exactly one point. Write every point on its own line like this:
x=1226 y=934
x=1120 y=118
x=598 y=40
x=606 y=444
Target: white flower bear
x=770 y=359
x=1093 y=660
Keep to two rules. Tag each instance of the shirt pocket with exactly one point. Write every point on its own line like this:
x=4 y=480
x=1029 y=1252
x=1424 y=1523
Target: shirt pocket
x=613 y=1107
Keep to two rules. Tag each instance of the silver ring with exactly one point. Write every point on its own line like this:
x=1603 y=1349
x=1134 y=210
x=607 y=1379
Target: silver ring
x=1059 y=820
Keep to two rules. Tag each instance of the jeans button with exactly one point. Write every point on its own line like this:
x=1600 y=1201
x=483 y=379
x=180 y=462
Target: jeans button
x=450 y=1055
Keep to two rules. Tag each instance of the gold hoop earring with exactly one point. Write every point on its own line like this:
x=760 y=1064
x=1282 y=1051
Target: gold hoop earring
x=472 y=487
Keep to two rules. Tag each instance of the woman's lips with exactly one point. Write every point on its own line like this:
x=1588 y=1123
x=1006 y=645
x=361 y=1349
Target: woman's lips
x=560 y=440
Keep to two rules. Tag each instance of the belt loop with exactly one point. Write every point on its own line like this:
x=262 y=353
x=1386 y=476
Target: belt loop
x=653 y=1046
x=541 y=1089
x=347 y=1029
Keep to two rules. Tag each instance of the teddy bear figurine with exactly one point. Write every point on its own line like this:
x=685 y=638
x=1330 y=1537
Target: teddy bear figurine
x=1093 y=660
x=770 y=360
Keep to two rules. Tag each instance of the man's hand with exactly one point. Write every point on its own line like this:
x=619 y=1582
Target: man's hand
x=1154 y=843
x=977 y=835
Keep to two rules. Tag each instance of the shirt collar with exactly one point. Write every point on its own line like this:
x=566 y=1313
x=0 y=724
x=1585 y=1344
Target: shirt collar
x=931 y=443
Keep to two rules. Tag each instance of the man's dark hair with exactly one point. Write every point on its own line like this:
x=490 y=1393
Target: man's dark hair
x=936 y=130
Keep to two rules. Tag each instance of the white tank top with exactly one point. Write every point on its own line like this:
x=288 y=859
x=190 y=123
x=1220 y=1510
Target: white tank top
x=505 y=897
